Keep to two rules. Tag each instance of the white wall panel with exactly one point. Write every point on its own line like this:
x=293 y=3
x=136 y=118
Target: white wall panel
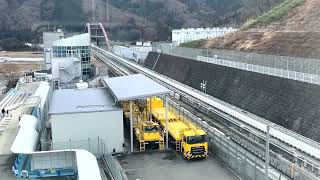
x=81 y=126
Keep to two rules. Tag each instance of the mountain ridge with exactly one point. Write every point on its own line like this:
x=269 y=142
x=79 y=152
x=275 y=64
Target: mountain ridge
x=127 y=20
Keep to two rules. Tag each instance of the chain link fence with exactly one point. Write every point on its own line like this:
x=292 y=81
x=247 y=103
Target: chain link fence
x=302 y=69
x=246 y=164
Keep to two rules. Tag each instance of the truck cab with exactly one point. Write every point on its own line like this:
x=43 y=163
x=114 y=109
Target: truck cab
x=149 y=133
x=150 y=130
x=194 y=144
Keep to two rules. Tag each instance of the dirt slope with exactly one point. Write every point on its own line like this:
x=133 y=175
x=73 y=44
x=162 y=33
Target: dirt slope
x=296 y=34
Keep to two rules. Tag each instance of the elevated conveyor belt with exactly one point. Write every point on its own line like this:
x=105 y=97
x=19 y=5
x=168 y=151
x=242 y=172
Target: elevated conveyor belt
x=235 y=115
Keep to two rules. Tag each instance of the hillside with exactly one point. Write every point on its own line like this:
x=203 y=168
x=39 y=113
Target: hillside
x=126 y=19
x=297 y=33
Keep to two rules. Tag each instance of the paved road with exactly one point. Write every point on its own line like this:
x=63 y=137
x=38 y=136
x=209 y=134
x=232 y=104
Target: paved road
x=171 y=166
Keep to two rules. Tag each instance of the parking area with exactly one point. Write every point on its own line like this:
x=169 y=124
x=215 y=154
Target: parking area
x=171 y=166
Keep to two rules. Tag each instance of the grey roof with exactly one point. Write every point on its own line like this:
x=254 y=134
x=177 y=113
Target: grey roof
x=84 y=100
x=77 y=40
x=135 y=86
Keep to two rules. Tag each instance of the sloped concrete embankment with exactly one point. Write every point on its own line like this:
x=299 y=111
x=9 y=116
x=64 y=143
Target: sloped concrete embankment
x=292 y=104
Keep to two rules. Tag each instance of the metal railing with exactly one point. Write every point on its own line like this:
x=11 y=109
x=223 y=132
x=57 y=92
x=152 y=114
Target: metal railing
x=259 y=119
x=244 y=163
x=113 y=167
x=96 y=146
x=285 y=165
x=300 y=76
x=302 y=69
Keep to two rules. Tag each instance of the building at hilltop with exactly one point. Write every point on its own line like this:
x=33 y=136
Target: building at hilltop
x=191 y=34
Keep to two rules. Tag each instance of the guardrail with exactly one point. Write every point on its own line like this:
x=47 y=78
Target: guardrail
x=112 y=166
x=241 y=161
x=208 y=108
x=301 y=69
x=233 y=108
x=299 y=76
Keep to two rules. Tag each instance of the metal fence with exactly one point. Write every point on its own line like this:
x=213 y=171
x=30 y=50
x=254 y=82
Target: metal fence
x=304 y=77
x=302 y=69
x=95 y=146
x=244 y=163
x=113 y=167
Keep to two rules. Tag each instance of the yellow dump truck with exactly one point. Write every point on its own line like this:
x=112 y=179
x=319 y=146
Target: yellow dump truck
x=186 y=137
x=146 y=131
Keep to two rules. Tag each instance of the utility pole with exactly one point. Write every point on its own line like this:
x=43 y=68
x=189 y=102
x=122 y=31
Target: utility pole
x=108 y=11
x=93 y=11
x=267 y=153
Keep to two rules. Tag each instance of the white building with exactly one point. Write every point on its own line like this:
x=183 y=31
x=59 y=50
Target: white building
x=66 y=70
x=48 y=39
x=138 y=53
x=185 y=35
x=77 y=115
x=75 y=46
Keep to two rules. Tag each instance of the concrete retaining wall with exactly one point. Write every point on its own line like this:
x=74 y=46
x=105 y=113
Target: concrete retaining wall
x=292 y=104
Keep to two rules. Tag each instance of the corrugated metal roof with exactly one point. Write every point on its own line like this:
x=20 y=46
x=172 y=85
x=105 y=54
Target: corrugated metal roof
x=81 y=100
x=135 y=86
x=77 y=40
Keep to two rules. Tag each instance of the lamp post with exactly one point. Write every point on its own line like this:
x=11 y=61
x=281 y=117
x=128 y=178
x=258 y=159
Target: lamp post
x=267 y=153
x=203 y=86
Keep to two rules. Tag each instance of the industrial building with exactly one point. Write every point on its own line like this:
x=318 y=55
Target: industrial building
x=141 y=87
x=76 y=46
x=191 y=34
x=65 y=71
x=136 y=53
x=48 y=39
x=80 y=114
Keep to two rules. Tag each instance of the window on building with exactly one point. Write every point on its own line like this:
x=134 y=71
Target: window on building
x=56 y=84
x=85 y=71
